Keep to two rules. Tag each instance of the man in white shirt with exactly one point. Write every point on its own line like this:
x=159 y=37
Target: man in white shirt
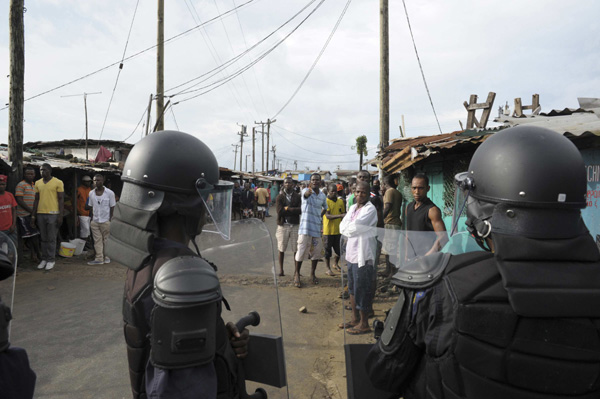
x=101 y=203
x=360 y=226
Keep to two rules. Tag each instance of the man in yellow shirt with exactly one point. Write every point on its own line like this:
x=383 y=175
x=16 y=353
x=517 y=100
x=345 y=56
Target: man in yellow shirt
x=331 y=227
x=262 y=196
x=48 y=210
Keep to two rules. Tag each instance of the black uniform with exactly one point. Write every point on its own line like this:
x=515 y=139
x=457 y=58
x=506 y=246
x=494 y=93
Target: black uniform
x=521 y=323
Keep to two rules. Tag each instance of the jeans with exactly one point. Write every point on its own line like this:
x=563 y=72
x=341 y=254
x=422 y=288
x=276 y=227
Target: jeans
x=48 y=226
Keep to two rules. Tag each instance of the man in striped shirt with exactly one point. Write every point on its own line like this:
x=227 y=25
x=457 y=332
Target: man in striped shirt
x=25 y=196
x=310 y=243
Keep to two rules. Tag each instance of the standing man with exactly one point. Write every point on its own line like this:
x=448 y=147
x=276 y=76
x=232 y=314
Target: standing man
x=248 y=201
x=310 y=243
x=392 y=209
x=360 y=227
x=262 y=197
x=8 y=211
x=519 y=319
x=101 y=203
x=288 y=205
x=331 y=228
x=25 y=196
x=423 y=215
x=237 y=201
x=48 y=209
x=84 y=215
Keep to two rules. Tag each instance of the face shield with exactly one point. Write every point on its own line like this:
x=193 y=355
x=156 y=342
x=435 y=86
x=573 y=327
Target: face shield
x=217 y=201
x=463 y=185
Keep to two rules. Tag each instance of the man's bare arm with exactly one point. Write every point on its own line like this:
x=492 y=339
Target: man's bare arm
x=435 y=215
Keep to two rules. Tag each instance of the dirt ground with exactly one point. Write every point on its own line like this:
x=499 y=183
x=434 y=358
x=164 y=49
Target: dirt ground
x=69 y=320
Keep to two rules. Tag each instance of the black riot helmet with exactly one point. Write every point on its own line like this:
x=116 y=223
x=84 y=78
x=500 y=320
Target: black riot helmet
x=523 y=167
x=174 y=172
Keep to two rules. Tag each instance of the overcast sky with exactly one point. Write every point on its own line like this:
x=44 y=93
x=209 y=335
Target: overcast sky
x=514 y=48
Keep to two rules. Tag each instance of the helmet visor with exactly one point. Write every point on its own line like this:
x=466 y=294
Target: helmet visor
x=217 y=201
x=463 y=186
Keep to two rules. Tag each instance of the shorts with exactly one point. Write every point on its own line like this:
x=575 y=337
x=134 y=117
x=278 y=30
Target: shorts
x=261 y=208
x=332 y=242
x=391 y=239
x=285 y=234
x=309 y=248
x=24 y=227
x=361 y=284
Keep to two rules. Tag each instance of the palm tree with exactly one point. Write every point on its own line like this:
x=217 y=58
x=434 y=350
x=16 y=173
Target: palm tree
x=361 y=149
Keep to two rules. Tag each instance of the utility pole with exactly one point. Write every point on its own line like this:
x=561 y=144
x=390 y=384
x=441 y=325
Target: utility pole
x=160 y=67
x=17 y=90
x=253 y=148
x=86 y=117
x=384 y=88
x=273 y=150
x=235 y=156
x=148 y=116
x=247 y=162
x=242 y=134
x=268 y=123
x=262 y=131
x=295 y=165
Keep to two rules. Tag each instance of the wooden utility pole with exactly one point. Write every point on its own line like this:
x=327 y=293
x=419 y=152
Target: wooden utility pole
x=384 y=88
x=274 y=147
x=235 y=156
x=87 y=158
x=148 y=116
x=253 y=149
x=268 y=123
x=160 y=67
x=17 y=88
x=242 y=134
x=262 y=142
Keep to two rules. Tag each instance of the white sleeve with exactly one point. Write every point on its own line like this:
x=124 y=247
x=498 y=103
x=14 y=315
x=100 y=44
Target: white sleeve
x=365 y=222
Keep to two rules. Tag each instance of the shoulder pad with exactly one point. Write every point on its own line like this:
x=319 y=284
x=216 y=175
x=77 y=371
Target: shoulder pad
x=186 y=281
x=422 y=272
x=391 y=322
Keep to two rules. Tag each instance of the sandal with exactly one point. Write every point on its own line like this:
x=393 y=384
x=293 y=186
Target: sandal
x=330 y=273
x=297 y=282
x=358 y=331
x=315 y=280
x=347 y=325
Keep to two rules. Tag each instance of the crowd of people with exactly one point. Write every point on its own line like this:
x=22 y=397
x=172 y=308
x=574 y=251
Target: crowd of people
x=38 y=208
x=354 y=223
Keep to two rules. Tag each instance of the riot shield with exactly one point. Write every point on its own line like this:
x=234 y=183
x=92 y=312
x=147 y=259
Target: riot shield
x=8 y=266
x=245 y=266
x=415 y=256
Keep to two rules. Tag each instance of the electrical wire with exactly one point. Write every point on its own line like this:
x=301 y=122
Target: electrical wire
x=310 y=138
x=138 y=124
x=210 y=21
x=119 y=72
x=221 y=82
x=314 y=152
x=174 y=119
x=421 y=67
x=337 y=24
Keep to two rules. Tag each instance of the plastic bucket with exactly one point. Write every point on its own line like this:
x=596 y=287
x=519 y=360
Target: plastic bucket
x=66 y=249
x=79 y=245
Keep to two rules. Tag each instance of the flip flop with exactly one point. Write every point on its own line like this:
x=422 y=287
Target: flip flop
x=297 y=282
x=346 y=325
x=315 y=280
x=358 y=331
x=330 y=273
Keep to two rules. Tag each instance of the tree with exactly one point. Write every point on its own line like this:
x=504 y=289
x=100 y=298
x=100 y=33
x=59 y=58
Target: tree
x=361 y=149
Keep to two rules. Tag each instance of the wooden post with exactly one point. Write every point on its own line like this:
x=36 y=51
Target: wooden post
x=384 y=71
x=253 y=149
x=17 y=87
x=519 y=107
x=472 y=106
x=74 y=204
x=148 y=117
x=160 y=67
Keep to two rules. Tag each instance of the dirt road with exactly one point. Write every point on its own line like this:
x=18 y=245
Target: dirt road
x=69 y=320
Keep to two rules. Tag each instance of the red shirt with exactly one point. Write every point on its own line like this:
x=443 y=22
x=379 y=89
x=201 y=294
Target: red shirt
x=7 y=203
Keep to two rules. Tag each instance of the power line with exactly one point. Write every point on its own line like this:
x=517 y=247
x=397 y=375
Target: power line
x=119 y=72
x=138 y=124
x=219 y=83
x=314 y=152
x=136 y=54
x=421 y=67
x=311 y=138
x=316 y=60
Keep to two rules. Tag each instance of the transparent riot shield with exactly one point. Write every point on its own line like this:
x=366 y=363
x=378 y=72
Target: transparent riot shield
x=8 y=266
x=245 y=266
x=375 y=261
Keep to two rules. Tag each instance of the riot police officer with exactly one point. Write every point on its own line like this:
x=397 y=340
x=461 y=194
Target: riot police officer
x=520 y=320
x=177 y=344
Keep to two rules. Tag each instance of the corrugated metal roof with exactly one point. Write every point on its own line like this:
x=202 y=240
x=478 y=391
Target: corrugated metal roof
x=583 y=121
x=56 y=163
